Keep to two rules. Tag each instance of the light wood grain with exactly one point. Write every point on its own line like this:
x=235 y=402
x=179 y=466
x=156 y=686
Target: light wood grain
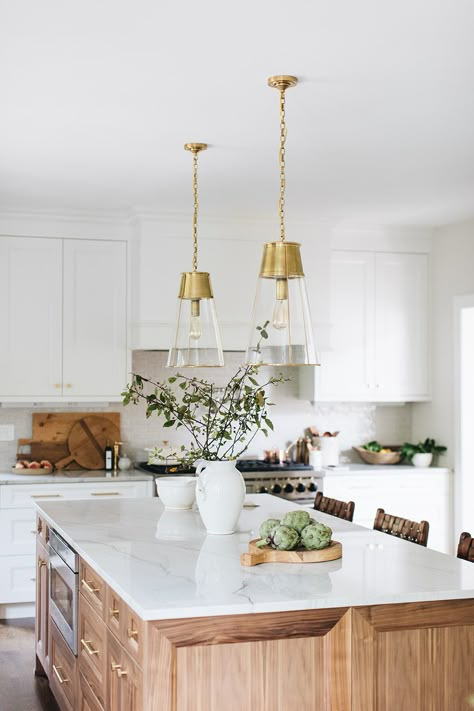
x=92 y=641
x=266 y=554
x=55 y=426
x=87 y=440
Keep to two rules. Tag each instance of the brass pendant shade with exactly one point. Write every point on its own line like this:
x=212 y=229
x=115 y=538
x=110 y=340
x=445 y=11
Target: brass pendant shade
x=281 y=331
x=197 y=340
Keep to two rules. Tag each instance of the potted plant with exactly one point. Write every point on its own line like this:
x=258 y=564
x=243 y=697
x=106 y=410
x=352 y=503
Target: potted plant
x=221 y=423
x=421 y=454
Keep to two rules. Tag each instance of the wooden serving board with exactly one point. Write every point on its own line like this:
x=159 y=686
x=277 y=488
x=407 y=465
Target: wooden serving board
x=87 y=440
x=266 y=554
x=56 y=426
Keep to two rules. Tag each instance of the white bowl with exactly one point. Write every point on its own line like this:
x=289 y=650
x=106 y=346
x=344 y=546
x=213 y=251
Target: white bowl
x=176 y=492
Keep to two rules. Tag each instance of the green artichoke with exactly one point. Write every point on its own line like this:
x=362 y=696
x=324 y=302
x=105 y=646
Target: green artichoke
x=284 y=538
x=316 y=536
x=267 y=527
x=296 y=519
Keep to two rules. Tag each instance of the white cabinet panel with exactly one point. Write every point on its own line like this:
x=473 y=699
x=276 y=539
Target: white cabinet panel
x=26 y=495
x=30 y=317
x=379 y=339
x=17 y=531
x=18 y=578
x=95 y=327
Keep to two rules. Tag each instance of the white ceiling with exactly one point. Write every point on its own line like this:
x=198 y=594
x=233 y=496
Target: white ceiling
x=98 y=99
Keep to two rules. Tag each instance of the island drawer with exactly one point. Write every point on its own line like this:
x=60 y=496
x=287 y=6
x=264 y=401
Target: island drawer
x=92 y=650
x=63 y=671
x=133 y=635
x=93 y=588
x=87 y=700
x=114 y=612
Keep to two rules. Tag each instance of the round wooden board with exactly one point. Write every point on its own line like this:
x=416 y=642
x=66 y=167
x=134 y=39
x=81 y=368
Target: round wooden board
x=266 y=554
x=87 y=440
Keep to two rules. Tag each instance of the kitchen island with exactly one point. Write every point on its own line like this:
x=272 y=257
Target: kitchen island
x=169 y=620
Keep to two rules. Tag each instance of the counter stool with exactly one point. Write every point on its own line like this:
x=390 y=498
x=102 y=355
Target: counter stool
x=466 y=547
x=402 y=527
x=334 y=507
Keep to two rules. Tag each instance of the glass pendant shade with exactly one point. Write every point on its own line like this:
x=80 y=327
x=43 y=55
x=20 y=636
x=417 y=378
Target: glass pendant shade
x=281 y=331
x=197 y=341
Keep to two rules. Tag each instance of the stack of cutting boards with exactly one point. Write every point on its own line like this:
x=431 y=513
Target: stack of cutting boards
x=73 y=440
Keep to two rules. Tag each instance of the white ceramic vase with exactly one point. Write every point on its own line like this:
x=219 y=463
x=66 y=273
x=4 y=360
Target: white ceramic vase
x=422 y=459
x=220 y=495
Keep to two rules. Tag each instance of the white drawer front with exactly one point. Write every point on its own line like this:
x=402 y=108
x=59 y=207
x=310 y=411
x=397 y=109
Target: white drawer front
x=17 y=578
x=26 y=495
x=17 y=531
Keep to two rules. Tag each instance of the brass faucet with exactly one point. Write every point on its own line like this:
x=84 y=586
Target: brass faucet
x=116 y=455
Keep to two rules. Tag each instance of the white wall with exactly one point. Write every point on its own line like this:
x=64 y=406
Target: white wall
x=452 y=275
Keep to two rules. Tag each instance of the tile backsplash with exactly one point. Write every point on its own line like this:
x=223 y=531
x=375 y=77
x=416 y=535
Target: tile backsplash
x=357 y=422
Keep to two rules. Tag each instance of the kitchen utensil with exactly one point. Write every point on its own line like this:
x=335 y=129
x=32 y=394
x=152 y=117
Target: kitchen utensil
x=266 y=554
x=377 y=457
x=87 y=440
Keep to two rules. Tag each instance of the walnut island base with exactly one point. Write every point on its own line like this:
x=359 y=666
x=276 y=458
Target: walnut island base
x=383 y=657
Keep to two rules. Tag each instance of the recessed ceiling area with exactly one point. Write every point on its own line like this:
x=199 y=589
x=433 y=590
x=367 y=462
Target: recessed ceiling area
x=99 y=98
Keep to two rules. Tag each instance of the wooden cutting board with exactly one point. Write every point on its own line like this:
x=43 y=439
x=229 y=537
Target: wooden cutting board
x=87 y=440
x=56 y=426
x=266 y=554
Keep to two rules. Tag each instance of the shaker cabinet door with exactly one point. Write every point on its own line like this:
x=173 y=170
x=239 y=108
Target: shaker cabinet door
x=30 y=317
x=95 y=326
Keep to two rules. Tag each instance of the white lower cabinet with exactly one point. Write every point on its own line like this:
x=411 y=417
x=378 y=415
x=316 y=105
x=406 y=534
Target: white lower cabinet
x=18 y=526
x=425 y=495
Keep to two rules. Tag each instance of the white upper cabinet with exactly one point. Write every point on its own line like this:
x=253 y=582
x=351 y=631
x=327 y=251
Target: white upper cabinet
x=379 y=333
x=95 y=323
x=30 y=317
x=64 y=319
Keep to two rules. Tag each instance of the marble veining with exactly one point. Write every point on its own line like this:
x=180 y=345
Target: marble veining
x=164 y=565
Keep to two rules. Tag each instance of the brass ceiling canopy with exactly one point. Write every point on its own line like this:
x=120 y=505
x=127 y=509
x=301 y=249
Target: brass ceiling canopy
x=195 y=147
x=281 y=332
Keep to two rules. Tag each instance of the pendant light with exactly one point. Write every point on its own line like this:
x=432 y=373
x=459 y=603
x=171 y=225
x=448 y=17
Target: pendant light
x=281 y=332
x=197 y=341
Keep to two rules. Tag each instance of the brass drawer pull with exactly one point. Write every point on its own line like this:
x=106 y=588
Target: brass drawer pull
x=114 y=667
x=121 y=673
x=46 y=496
x=86 y=643
x=61 y=679
x=41 y=563
x=106 y=493
x=131 y=633
x=88 y=586
x=114 y=613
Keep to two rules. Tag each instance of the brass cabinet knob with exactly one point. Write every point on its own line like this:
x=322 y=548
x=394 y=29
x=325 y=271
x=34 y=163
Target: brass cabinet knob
x=114 y=613
x=131 y=633
x=57 y=385
x=68 y=385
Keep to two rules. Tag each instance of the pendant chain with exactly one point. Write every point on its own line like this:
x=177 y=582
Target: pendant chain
x=196 y=206
x=281 y=202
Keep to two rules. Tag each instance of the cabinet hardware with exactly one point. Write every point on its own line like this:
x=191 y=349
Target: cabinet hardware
x=86 y=643
x=33 y=532
x=46 y=496
x=114 y=612
x=105 y=493
x=41 y=563
x=33 y=580
x=39 y=527
x=68 y=385
x=61 y=679
x=57 y=385
x=88 y=586
x=115 y=667
x=131 y=633
x=121 y=673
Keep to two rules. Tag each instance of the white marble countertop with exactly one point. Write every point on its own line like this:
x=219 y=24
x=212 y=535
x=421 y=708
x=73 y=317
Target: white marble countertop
x=164 y=566
x=378 y=470
x=73 y=477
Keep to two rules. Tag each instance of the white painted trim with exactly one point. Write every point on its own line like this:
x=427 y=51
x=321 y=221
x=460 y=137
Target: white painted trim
x=459 y=303
x=17 y=611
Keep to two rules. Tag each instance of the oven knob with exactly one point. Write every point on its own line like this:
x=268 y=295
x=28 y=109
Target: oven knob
x=301 y=487
x=263 y=490
x=289 y=488
x=312 y=487
x=276 y=489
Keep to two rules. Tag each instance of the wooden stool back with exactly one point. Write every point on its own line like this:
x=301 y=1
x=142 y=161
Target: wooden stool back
x=402 y=527
x=334 y=507
x=466 y=547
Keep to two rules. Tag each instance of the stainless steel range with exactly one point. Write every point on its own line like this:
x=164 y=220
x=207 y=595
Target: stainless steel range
x=291 y=480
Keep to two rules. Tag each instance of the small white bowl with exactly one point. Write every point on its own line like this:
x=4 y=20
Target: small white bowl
x=176 y=492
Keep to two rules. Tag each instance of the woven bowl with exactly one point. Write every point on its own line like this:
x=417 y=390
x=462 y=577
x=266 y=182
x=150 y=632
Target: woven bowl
x=378 y=457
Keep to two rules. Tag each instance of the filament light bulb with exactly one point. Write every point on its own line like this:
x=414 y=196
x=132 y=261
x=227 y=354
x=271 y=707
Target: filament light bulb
x=280 y=312
x=195 y=322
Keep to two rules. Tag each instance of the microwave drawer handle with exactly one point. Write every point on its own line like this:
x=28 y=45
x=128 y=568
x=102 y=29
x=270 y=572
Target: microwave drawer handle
x=88 y=586
x=62 y=679
x=86 y=643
